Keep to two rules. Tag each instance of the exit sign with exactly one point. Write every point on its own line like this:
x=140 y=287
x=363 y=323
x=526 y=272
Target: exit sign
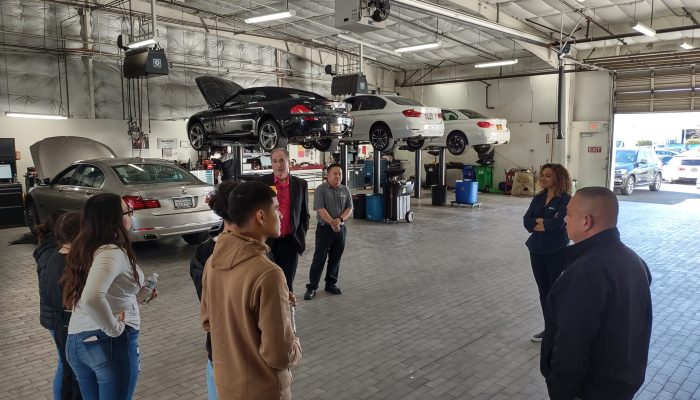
x=595 y=149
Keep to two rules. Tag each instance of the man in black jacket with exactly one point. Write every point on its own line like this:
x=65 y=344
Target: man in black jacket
x=292 y=194
x=598 y=313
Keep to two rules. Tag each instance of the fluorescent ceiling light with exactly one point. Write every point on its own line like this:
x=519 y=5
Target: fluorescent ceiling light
x=269 y=17
x=462 y=17
x=641 y=28
x=37 y=116
x=424 y=46
x=365 y=44
x=496 y=63
x=141 y=43
x=687 y=46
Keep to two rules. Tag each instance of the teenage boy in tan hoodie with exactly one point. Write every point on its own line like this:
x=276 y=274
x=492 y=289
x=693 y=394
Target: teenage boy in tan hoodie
x=245 y=303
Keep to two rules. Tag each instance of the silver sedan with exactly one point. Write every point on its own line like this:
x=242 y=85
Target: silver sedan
x=167 y=200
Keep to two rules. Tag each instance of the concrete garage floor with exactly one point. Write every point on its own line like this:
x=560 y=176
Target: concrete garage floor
x=441 y=308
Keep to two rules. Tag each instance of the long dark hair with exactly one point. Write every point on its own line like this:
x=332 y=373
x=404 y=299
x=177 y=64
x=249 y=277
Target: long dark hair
x=100 y=224
x=67 y=228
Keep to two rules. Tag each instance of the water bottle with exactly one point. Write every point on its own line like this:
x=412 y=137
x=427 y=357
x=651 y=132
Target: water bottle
x=145 y=295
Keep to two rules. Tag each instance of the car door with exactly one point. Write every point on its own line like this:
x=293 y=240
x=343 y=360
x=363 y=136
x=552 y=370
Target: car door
x=644 y=162
x=63 y=194
x=373 y=108
x=235 y=119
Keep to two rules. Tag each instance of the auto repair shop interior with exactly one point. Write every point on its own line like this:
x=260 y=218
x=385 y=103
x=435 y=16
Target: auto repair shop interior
x=440 y=115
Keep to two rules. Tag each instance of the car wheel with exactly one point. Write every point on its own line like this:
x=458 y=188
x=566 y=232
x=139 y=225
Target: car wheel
x=628 y=187
x=409 y=216
x=483 y=148
x=31 y=215
x=197 y=136
x=654 y=187
x=415 y=144
x=270 y=135
x=380 y=137
x=196 y=238
x=456 y=142
x=326 y=144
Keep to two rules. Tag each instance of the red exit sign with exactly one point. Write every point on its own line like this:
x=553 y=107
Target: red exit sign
x=595 y=149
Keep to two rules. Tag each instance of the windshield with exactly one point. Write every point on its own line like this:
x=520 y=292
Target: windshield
x=402 y=101
x=148 y=174
x=472 y=114
x=625 y=156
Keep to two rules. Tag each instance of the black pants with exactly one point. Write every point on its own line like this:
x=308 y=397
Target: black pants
x=547 y=268
x=284 y=254
x=70 y=390
x=328 y=244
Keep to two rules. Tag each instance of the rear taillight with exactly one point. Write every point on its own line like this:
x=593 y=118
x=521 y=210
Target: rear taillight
x=484 y=124
x=139 y=203
x=303 y=109
x=681 y=168
x=411 y=113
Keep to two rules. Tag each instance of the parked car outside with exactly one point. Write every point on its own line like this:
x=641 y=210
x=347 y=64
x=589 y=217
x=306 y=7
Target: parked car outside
x=665 y=155
x=383 y=120
x=464 y=128
x=270 y=116
x=684 y=167
x=167 y=200
x=636 y=167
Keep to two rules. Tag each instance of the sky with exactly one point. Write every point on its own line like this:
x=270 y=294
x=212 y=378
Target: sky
x=658 y=127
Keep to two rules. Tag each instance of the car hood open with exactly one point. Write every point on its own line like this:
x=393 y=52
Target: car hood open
x=52 y=155
x=216 y=90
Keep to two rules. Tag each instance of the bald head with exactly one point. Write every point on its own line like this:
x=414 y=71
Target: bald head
x=591 y=211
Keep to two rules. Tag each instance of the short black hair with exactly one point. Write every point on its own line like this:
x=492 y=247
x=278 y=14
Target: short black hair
x=219 y=200
x=247 y=198
x=604 y=200
x=330 y=167
x=67 y=227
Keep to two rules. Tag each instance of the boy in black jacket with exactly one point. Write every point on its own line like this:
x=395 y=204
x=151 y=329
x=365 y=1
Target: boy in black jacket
x=598 y=314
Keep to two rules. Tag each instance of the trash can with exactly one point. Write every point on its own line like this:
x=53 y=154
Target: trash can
x=375 y=207
x=466 y=192
x=359 y=206
x=439 y=195
x=431 y=175
x=484 y=176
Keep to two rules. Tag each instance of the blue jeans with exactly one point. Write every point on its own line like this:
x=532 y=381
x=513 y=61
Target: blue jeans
x=211 y=386
x=58 y=377
x=106 y=368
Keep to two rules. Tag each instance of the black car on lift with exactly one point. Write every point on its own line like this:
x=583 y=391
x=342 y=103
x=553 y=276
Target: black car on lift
x=268 y=116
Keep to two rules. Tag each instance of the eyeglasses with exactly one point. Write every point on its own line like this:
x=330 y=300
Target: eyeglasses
x=129 y=212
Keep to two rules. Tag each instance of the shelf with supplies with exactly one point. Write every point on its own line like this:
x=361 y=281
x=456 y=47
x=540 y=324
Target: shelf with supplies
x=313 y=176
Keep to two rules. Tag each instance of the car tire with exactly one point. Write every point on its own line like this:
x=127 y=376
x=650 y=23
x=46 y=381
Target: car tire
x=456 y=142
x=31 y=216
x=380 y=137
x=197 y=136
x=483 y=148
x=326 y=144
x=656 y=185
x=270 y=136
x=308 y=145
x=415 y=144
x=409 y=216
x=196 y=238
x=628 y=187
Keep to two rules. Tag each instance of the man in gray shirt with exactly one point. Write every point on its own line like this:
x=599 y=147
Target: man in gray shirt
x=333 y=205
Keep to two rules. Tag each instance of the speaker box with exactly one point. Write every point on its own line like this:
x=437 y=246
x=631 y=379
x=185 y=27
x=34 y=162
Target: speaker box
x=349 y=84
x=145 y=62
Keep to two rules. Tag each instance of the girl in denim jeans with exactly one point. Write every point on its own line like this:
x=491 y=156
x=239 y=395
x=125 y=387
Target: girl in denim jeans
x=100 y=284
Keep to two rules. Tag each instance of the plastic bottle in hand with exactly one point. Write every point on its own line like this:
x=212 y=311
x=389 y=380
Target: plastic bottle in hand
x=145 y=295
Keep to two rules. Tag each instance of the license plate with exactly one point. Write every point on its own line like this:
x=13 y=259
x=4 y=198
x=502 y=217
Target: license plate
x=183 y=202
x=429 y=116
x=499 y=127
x=693 y=170
x=335 y=128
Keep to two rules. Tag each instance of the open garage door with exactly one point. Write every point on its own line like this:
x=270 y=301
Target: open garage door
x=668 y=89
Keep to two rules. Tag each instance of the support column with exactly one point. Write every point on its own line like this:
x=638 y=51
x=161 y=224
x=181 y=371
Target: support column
x=344 y=163
x=238 y=162
x=376 y=173
x=442 y=171
x=418 y=172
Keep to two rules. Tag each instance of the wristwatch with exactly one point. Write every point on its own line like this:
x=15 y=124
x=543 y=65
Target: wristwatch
x=341 y=219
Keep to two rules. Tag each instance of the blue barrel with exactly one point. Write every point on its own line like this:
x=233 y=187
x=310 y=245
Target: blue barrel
x=375 y=207
x=466 y=191
x=469 y=173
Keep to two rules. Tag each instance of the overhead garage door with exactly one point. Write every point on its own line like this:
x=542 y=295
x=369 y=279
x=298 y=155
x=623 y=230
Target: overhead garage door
x=656 y=90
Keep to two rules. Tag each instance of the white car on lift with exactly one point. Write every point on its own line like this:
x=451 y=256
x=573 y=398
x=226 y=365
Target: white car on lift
x=383 y=120
x=464 y=128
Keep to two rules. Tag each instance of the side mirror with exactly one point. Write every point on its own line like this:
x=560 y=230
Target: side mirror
x=46 y=181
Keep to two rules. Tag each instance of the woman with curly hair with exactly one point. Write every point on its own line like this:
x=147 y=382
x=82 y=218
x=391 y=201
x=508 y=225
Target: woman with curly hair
x=545 y=222
x=100 y=284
